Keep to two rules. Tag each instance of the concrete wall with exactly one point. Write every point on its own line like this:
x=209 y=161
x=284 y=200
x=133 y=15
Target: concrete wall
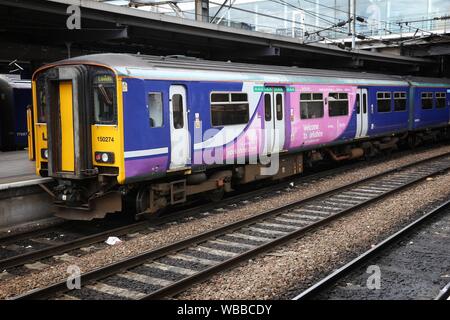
x=23 y=205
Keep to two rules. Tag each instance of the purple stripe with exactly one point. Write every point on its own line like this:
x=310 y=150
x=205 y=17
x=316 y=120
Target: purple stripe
x=145 y=166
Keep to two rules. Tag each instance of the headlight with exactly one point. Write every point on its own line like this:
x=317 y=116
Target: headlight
x=44 y=154
x=104 y=157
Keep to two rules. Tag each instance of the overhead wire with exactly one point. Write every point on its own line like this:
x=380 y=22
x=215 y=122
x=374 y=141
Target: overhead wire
x=333 y=26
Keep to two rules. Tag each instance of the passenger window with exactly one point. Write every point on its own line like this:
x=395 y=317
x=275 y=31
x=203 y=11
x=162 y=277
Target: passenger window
x=399 y=101
x=155 y=109
x=238 y=97
x=178 y=113
x=427 y=100
x=279 y=106
x=440 y=100
x=229 y=109
x=337 y=104
x=384 y=101
x=220 y=97
x=104 y=99
x=311 y=105
x=267 y=107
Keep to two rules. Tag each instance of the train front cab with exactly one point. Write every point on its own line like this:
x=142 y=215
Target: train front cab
x=78 y=137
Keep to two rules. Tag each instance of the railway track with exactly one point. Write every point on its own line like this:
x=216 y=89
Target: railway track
x=19 y=249
x=411 y=263
x=444 y=294
x=27 y=248
x=34 y=246
x=173 y=268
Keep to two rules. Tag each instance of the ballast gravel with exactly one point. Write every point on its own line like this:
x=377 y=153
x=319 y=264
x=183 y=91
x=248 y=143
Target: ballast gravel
x=284 y=273
x=268 y=276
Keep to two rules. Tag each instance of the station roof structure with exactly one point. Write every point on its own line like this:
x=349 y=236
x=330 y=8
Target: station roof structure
x=35 y=30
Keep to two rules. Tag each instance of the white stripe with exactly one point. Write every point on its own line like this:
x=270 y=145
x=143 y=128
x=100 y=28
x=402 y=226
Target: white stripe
x=144 y=153
x=228 y=134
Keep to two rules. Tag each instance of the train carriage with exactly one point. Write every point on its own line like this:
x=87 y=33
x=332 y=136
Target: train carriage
x=15 y=97
x=430 y=101
x=140 y=132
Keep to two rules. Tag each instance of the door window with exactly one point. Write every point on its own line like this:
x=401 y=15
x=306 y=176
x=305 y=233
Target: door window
x=178 y=112
x=41 y=100
x=364 y=103
x=279 y=106
x=358 y=104
x=267 y=107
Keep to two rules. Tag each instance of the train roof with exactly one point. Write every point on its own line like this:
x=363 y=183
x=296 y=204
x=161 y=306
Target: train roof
x=14 y=82
x=196 y=69
x=428 y=82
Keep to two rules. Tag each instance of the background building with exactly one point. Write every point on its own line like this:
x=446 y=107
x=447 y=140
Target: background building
x=317 y=20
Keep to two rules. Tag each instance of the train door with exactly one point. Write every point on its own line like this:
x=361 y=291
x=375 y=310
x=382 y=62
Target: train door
x=30 y=129
x=362 y=117
x=65 y=123
x=274 y=121
x=179 y=130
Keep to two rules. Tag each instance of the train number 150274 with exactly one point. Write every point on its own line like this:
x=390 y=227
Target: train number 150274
x=105 y=139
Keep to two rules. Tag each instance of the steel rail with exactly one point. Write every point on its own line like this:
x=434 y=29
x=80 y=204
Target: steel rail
x=338 y=274
x=21 y=259
x=444 y=294
x=166 y=250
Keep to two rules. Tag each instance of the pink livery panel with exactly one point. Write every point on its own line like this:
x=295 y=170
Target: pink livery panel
x=319 y=129
x=233 y=142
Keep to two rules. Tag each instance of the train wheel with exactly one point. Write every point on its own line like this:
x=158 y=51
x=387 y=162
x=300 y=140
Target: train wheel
x=142 y=202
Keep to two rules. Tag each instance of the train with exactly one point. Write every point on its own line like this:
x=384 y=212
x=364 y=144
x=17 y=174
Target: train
x=15 y=98
x=138 y=134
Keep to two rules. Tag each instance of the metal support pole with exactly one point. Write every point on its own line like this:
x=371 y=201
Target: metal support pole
x=202 y=10
x=349 y=18
x=353 y=9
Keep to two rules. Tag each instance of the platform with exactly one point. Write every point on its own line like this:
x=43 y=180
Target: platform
x=17 y=171
x=22 y=199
